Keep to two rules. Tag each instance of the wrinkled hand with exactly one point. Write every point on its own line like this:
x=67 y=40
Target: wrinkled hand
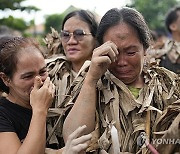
x=102 y=57
x=42 y=94
x=77 y=142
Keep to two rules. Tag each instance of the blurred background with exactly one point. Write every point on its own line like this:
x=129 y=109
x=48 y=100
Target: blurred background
x=35 y=17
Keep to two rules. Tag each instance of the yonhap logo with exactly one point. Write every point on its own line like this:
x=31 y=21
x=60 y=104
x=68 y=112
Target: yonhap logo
x=165 y=141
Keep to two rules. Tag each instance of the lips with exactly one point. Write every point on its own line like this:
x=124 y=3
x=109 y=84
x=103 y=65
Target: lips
x=72 y=50
x=123 y=71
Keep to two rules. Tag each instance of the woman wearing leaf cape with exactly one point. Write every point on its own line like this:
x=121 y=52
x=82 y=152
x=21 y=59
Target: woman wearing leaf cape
x=69 y=53
x=131 y=97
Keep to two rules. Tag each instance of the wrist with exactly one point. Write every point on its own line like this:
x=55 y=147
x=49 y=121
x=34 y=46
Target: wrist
x=39 y=112
x=89 y=81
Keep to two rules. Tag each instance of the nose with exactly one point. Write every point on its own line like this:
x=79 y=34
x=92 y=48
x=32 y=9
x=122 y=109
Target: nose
x=43 y=77
x=121 y=60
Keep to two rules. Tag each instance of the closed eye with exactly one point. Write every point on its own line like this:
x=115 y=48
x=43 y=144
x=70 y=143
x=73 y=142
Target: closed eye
x=131 y=53
x=29 y=76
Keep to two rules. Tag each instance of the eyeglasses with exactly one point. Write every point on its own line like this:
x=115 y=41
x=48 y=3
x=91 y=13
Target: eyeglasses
x=78 y=35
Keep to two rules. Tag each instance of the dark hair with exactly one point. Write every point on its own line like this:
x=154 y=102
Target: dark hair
x=171 y=17
x=9 y=48
x=128 y=15
x=85 y=16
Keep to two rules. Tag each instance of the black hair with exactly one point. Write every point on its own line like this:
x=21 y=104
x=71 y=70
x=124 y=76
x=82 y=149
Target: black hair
x=127 y=15
x=171 y=17
x=10 y=46
x=87 y=17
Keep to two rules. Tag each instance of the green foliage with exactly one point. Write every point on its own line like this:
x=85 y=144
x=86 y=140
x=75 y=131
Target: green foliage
x=55 y=21
x=154 y=11
x=15 y=4
x=14 y=23
x=11 y=4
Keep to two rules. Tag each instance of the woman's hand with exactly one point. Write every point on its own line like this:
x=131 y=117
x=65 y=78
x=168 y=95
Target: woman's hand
x=102 y=57
x=77 y=142
x=42 y=94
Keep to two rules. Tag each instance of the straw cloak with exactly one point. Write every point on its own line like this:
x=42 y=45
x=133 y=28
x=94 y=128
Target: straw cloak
x=62 y=75
x=155 y=111
x=167 y=55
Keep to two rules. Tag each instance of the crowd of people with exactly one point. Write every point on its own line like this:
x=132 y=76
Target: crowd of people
x=96 y=91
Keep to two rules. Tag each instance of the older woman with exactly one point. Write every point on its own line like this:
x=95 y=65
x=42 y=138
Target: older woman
x=132 y=104
x=24 y=77
x=78 y=41
x=77 y=38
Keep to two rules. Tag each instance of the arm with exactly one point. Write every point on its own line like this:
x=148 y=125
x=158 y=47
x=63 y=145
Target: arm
x=83 y=111
x=87 y=95
x=40 y=100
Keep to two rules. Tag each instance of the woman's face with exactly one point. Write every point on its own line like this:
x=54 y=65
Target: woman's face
x=30 y=63
x=78 y=51
x=175 y=26
x=129 y=63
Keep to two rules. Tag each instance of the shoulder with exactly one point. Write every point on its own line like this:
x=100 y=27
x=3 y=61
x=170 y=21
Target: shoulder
x=165 y=73
x=164 y=79
x=57 y=65
x=3 y=103
x=5 y=119
x=4 y=108
x=151 y=69
x=164 y=76
x=55 y=58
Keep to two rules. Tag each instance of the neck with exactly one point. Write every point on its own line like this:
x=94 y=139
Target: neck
x=139 y=83
x=77 y=66
x=18 y=101
x=176 y=36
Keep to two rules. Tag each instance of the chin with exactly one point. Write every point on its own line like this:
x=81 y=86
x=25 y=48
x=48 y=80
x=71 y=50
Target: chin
x=126 y=80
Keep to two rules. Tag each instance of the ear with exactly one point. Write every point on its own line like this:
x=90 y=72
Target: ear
x=5 y=78
x=173 y=26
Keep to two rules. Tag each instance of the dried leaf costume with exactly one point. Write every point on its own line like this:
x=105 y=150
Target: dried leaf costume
x=62 y=75
x=168 y=55
x=154 y=109
x=156 y=105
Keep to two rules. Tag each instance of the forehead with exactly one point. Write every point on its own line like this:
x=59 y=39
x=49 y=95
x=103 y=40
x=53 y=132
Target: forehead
x=29 y=50
x=75 y=22
x=30 y=57
x=120 y=33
